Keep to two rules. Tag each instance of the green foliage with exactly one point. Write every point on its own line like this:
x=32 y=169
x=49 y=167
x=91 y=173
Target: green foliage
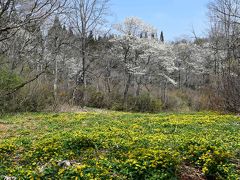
x=28 y=99
x=213 y=160
x=8 y=80
x=114 y=145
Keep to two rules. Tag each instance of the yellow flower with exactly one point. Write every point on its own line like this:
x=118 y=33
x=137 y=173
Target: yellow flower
x=205 y=170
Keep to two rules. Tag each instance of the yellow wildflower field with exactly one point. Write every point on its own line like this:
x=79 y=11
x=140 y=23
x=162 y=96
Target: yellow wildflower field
x=116 y=145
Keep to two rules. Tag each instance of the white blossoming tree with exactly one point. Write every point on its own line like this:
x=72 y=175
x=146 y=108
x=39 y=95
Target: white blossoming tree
x=143 y=57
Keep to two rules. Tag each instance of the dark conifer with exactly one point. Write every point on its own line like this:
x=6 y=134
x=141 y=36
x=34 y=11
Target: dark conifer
x=162 y=37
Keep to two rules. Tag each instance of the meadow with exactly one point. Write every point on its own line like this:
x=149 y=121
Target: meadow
x=116 y=145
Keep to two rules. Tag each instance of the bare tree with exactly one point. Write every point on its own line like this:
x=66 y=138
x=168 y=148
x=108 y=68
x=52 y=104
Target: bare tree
x=15 y=14
x=86 y=17
x=225 y=42
x=20 y=34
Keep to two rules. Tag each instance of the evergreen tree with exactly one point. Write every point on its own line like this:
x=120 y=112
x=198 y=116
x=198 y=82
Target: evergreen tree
x=162 y=37
x=56 y=39
x=90 y=36
x=146 y=35
x=100 y=38
x=153 y=35
x=54 y=35
x=70 y=32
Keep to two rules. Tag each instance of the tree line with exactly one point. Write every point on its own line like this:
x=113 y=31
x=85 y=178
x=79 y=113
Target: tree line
x=58 y=52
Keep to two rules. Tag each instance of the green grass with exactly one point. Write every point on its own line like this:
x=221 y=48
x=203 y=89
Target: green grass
x=114 y=145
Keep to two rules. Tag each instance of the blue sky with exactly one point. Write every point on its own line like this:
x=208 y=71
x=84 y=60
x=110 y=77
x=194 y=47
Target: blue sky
x=174 y=17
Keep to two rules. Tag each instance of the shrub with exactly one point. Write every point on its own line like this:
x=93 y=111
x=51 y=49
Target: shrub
x=186 y=100
x=95 y=98
x=142 y=103
x=36 y=100
x=28 y=99
x=8 y=81
x=177 y=101
x=145 y=103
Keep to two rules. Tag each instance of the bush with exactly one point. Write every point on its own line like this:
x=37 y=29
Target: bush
x=36 y=100
x=114 y=101
x=145 y=103
x=177 y=101
x=141 y=103
x=89 y=97
x=95 y=98
x=230 y=91
x=186 y=100
x=8 y=81
x=28 y=99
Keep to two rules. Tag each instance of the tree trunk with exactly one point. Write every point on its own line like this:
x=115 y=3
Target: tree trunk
x=55 y=84
x=84 y=81
x=126 y=90
x=139 y=86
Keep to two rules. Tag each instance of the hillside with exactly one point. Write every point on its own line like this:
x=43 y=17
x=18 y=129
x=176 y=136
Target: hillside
x=114 y=145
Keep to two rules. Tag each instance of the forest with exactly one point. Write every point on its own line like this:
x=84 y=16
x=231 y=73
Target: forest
x=57 y=54
x=84 y=98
